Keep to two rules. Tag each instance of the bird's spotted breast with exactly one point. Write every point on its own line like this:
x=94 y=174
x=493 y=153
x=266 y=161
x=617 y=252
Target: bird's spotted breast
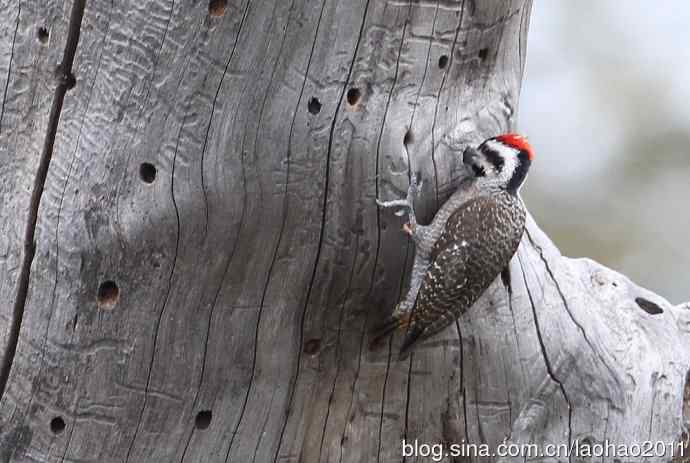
x=478 y=242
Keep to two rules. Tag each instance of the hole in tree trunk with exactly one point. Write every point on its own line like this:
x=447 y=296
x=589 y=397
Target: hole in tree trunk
x=483 y=53
x=108 y=294
x=147 y=172
x=312 y=346
x=43 y=35
x=203 y=419
x=216 y=7
x=443 y=61
x=57 y=425
x=648 y=306
x=353 y=96
x=314 y=105
x=408 y=138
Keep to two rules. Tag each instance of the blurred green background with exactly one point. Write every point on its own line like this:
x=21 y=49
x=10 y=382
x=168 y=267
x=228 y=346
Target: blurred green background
x=606 y=105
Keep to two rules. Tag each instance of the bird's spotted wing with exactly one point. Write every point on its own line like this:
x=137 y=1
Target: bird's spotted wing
x=478 y=241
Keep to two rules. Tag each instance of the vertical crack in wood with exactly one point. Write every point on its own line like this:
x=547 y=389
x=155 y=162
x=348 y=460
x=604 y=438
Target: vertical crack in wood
x=210 y=119
x=378 y=229
x=328 y=156
x=401 y=287
x=424 y=75
x=408 y=394
x=323 y=209
x=466 y=438
x=65 y=81
x=477 y=378
x=525 y=8
x=354 y=386
x=286 y=204
x=547 y=362
x=515 y=332
x=57 y=258
x=243 y=210
x=263 y=426
x=383 y=398
x=177 y=239
x=684 y=444
x=579 y=326
x=166 y=298
x=438 y=99
x=338 y=353
x=337 y=349
x=275 y=250
x=462 y=382
x=9 y=67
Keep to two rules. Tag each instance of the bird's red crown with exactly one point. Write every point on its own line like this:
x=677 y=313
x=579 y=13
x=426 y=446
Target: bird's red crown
x=518 y=142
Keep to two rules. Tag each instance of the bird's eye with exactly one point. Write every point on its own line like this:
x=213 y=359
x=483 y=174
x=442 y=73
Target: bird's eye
x=478 y=170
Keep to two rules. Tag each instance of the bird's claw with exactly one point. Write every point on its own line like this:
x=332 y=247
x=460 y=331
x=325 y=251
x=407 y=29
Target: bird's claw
x=408 y=201
x=407 y=204
x=394 y=203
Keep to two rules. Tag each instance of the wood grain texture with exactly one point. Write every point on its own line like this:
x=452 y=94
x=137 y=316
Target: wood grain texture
x=250 y=269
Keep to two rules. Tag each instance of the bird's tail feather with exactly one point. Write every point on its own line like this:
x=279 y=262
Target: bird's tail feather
x=413 y=333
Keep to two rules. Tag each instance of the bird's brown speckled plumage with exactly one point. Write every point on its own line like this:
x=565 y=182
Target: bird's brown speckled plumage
x=478 y=240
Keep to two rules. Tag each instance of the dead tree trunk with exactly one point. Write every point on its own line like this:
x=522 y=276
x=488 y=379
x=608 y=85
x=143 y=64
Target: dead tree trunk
x=191 y=254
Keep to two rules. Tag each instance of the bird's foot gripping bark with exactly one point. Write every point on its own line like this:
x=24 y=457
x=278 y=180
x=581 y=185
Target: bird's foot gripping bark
x=408 y=203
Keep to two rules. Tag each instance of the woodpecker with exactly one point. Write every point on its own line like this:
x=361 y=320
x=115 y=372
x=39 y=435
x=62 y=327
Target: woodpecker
x=469 y=243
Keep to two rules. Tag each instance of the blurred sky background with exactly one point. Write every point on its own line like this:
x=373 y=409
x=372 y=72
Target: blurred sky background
x=606 y=105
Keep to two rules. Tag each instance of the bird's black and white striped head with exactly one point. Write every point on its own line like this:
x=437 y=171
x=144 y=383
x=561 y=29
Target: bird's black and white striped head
x=502 y=161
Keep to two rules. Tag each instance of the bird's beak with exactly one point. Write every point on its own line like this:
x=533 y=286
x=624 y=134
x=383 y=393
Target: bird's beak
x=469 y=156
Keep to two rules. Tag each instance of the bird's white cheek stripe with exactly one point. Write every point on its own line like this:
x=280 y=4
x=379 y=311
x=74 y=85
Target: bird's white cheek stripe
x=509 y=156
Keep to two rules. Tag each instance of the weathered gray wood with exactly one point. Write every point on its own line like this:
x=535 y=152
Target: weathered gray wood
x=252 y=267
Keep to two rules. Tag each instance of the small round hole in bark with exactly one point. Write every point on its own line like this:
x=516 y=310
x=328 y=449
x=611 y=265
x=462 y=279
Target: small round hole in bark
x=216 y=7
x=648 y=306
x=108 y=294
x=443 y=61
x=312 y=346
x=203 y=419
x=483 y=53
x=43 y=35
x=57 y=425
x=408 y=138
x=314 y=105
x=147 y=172
x=353 y=96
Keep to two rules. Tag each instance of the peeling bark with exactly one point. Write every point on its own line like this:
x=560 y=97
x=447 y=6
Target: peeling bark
x=191 y=256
